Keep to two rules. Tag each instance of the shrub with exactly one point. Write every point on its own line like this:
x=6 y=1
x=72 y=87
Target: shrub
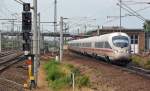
x=63 y=82
x=83 y=81
x=59 y=75
x=70 y=66
x=147 y=64
x=53 y=71
x=73 y=69
x=136 y=60
x=54 y=74
x=139 y=61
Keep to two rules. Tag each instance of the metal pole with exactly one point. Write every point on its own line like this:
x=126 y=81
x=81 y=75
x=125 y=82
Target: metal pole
x=98 y=31
x=42 y=40
x=78 y=31
x=55 y=20
x=85 y=28
x=61 y=38
x=13 y=25
x=64 y=39
x=0 y=42
x=39 y=33
x=120 y=14
x=73 y=82
x=35 y=42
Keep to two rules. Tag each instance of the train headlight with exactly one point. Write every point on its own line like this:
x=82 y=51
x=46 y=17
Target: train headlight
x=115 y=51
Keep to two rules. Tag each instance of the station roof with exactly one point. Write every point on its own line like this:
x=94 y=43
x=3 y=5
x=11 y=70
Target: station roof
x=115 y=30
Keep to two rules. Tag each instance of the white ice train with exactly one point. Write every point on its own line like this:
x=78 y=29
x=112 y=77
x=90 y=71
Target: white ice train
x=114 y=46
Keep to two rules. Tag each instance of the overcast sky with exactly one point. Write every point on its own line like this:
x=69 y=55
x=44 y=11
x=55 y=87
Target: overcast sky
x=77 y=10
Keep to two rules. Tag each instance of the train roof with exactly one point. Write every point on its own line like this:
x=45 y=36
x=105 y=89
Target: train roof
x=98 y=38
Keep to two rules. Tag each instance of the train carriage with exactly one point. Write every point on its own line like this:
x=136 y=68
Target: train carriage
x=113 y=46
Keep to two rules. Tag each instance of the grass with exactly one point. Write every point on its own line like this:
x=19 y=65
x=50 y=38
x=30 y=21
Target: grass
x=59 y=76
x=137 y=60
x=83 y=81
x=147 y=64
x=140 y=61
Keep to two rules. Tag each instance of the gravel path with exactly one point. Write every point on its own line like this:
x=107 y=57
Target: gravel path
x=105 y=77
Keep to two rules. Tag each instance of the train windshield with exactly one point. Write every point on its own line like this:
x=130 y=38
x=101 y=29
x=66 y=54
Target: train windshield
x=120 y=41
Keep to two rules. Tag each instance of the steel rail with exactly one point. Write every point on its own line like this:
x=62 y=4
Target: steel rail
x=9 y=60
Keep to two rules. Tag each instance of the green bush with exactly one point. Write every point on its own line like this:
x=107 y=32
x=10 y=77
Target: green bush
x=53 y=71
x=73 y=69
x=70 y=66
x=83 y=81
x=59 y=75
x=51 y=63
x=63 y=82
x=136 y=60
x=54 y=74
x=147 y=64
x=139 y=61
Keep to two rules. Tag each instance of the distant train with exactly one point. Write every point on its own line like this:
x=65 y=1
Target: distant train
x=115 y=47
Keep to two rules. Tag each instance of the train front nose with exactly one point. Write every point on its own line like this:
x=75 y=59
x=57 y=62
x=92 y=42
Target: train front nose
x=122 y=55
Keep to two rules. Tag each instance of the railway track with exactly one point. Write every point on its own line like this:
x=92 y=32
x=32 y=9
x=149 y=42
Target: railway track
x=9 y=58
x=129 y=68
x=140 y=71
x=10 y=77
x=2 y=54
x=104 y=76
x=133 y=69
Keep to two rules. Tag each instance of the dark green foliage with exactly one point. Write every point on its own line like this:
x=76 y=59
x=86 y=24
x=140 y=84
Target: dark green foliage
x=139 y=61
x=136 y=60
x=148 y=62
x=147 y=65
x=83 y=81
x=74 y=70
x=63 y=82
x=147 y=25
x=58 y=78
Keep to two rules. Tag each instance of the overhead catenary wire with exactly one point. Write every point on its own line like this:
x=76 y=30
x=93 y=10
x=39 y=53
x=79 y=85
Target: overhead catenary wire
x=18 y=2
x=134 y=12
x=130 y=12
x=131 y=2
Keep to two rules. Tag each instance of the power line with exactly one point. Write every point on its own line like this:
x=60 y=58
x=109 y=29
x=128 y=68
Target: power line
x=137 y=2
x=138 y=15
x=20 y=2
x=120 y=12
x=131 y=12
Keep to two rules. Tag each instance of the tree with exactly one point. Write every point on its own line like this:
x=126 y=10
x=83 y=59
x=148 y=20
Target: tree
x=147 y=25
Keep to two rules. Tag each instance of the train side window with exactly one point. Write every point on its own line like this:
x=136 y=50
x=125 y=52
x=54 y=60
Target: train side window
x=89 y=44
x=107 y=45
x=99 y=44
x=86 y=44
x=83 y=44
